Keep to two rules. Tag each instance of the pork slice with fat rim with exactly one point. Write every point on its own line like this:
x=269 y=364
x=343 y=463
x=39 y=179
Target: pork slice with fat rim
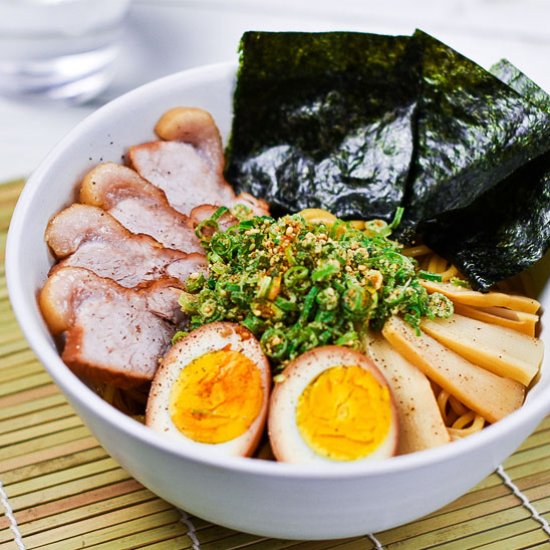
x=138 y=205
x=87 y=236
x=188 y=163
x=186 y=178
x=196 y=127
x=112 y=334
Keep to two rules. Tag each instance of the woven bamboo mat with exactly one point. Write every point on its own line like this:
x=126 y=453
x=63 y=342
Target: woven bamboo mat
x=60 y=490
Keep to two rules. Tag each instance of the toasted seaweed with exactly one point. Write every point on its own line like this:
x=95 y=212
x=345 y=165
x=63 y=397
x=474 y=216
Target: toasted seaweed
x=507 y=229
x=473 y=131
x=360 y=124
x=503 y=232
x=511 y=75
x=324 y=120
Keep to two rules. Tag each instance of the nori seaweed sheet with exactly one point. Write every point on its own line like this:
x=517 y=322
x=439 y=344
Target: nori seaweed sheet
x=503 y=232
x=473 y=131
x=324 y=120
x=360 y=124
x=507 y=229
x=513 y=77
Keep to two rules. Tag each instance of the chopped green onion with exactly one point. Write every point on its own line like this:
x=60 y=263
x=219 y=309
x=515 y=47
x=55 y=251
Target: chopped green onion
x=308 y=304
x=297 y=285
x=328 y=299
x=264 y=286
x=297 y=278
x=188 y=302
x=179 y=334
x=222 y=245
x=377 y=227
x=202 y=234
x=355 y=299
x=397 y=218
x=241 y=211
x=349 y=339
x=286 y=305
x=325 y=271
x=275 y=343
x=429 y=276
x=253 y=323
x=219 y=213
x=245 y=224
x=195 y=282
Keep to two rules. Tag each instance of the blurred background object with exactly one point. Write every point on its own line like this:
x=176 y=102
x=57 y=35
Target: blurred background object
x=58 y=49
x=164 y=36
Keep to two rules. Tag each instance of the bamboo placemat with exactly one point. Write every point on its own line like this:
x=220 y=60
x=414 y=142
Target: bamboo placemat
x=60 y=490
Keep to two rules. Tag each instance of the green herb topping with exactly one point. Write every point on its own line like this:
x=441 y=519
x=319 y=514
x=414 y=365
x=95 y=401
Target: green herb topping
x=297 y=284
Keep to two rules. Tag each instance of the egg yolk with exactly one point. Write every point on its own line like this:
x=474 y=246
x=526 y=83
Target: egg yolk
x=217 y=397
x=344 y=413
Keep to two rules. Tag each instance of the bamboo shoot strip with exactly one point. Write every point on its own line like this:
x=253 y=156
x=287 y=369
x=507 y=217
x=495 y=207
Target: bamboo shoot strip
x=517 y=320
x=474 y=298
x=498 y=349
x=491 y=396
x=420 y=422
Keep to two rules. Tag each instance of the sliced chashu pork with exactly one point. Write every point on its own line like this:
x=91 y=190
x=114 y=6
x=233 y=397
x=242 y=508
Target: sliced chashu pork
x=138 y=205
x=196 y=127
x=112 y=334
x=188 y=164
x=87 y=236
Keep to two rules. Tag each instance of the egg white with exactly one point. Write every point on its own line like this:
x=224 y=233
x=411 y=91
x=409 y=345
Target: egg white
x=206 y=339
x=286 y=440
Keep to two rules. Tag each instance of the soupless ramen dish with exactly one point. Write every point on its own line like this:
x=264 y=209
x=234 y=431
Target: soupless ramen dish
x=303 y=296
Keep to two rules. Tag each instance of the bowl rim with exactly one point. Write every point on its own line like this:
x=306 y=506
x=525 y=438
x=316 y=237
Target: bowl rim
x=75 y=389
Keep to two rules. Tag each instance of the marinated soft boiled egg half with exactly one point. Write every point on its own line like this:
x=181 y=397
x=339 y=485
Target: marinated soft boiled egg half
x=332 y=404
x=212 y=390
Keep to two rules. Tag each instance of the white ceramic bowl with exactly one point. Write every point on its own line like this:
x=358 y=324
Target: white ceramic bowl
x=265 y=498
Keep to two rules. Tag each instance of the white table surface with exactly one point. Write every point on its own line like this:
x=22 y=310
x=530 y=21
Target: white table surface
x=165 y=36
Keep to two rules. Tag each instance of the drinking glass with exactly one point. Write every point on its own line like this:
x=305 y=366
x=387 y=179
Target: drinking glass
x=58 y=49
